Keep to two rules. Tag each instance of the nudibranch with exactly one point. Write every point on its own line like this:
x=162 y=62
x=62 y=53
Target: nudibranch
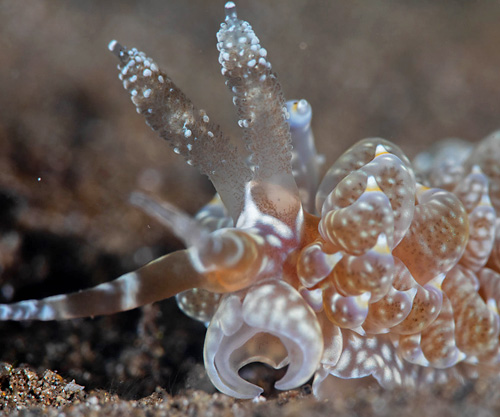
x=382 y=269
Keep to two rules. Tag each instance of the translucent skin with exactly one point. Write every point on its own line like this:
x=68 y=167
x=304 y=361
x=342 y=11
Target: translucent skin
x=368 y=273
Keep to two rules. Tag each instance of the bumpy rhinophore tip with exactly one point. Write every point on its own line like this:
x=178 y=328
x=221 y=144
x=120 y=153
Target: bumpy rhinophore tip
x=114 y=47
x=261 y=110
x=230 y=9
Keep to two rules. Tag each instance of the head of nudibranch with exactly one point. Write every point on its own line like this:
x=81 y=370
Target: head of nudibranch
x=379 y=270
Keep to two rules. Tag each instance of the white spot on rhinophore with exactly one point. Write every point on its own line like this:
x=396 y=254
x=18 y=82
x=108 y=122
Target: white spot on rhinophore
x=187 y=133
x=161 y=79
x=112 y=45
x=252 y=63
x=147 y=93
x=147 y=72
x=206 y=118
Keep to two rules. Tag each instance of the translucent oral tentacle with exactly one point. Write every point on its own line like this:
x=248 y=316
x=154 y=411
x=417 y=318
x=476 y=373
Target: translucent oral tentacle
x=187 y=229
x=261 y=107
x=306 y=162
x=437 y=236
x=187 y=129
x=273 y=308
x=134 y=289
x=222 y=261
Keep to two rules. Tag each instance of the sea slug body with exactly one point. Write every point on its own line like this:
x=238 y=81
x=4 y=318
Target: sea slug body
x=382 y=268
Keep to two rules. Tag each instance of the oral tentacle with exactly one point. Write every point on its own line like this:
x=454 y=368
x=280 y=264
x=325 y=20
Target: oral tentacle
x=134 y=289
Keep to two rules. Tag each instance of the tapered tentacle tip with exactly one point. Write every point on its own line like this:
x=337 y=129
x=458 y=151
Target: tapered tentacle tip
x=180 y=223
x=138 y=199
